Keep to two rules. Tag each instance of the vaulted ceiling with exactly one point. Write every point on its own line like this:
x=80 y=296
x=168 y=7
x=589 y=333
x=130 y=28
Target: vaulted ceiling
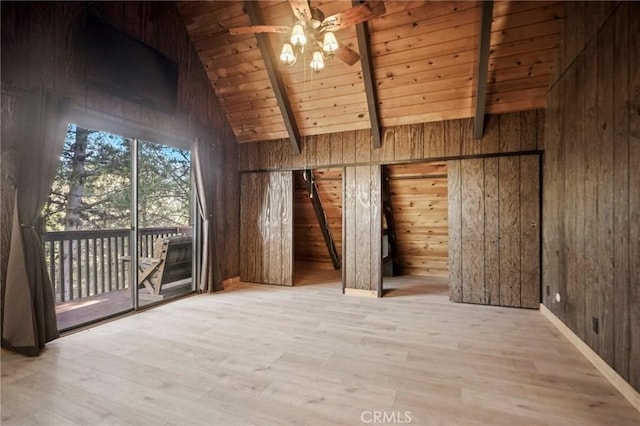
x=424 y=58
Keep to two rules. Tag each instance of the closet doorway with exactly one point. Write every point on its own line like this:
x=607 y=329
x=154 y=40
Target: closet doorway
x=318 y=226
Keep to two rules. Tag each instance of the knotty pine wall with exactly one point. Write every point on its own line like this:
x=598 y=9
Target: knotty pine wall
x=591 y=214
x=419 y=203
x=42 y=46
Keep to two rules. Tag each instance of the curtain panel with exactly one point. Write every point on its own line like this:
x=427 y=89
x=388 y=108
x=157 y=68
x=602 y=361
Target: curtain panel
x=210 y=273
x=28 y=305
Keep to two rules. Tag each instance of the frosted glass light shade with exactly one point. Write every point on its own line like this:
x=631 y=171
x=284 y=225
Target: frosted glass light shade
x=298 y=37
x=317 y=61
x=330 y=44
x=287 y=56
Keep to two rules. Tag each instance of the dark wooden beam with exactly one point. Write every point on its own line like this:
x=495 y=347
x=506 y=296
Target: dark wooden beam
x=312 y=190
x=483 y=68
x=266 y=49
x=369 y=85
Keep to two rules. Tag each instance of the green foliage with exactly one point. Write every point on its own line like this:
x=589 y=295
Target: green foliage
x=164 y=186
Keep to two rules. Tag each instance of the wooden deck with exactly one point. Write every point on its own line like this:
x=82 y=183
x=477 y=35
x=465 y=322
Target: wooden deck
x=274 y=355
x=80 y=311
x=93 y=308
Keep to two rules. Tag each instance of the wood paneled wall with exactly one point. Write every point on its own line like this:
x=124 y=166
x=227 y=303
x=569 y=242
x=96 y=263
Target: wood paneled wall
x=494 y=246
x=505 y=133
x=420 y=210
x=43 y=46
x=591 y=254
x=266 y=228
x=310 y=247
x=582 y=21
x=362 y=238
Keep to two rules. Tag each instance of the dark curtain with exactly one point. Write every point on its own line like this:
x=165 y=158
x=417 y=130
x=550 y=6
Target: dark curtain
x=210 y=274
x=28 y=305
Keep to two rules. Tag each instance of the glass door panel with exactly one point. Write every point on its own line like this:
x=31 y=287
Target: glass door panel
x=165 y=237
x=87 y=222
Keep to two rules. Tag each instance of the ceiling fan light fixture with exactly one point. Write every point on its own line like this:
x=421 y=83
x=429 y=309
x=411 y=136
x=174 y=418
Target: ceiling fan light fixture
x=329 y=44
x=316 y=18
x=312 y=29
x=317 y=61
x=287 y=56
x=298 y=37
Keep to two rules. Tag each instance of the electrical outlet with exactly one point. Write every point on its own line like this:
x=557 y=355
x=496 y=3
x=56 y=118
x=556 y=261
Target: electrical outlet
x=594 y=324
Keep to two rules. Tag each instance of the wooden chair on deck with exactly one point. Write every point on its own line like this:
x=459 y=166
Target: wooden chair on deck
x=171 y=262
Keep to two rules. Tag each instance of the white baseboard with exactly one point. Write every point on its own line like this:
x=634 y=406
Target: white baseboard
x=605 y=369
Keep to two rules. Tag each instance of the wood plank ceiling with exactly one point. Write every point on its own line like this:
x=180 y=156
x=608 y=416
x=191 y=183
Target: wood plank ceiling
x=424 y=57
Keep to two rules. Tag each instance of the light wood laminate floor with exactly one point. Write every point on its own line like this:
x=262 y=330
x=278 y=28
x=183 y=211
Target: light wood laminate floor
x=268 y=355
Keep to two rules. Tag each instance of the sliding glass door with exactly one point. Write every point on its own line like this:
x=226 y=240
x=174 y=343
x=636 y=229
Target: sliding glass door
x=116 y=204
x=165 y=236
x=87 y=219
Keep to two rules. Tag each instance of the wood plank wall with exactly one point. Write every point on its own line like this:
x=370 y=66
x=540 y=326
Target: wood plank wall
x=266 y=227
x=310 y=247
x=591 y=252
x=362 y=224
x=494 y=247
x=420 y=210
x=582 y=21
x=42 y=46
x=504 y=133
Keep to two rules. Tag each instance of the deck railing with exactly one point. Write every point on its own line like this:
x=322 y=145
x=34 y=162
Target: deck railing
x=86 y=263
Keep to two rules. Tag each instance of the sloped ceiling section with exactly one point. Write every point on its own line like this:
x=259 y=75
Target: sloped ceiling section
x=424 y=56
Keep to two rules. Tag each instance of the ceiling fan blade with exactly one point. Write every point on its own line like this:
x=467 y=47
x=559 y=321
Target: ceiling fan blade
x=355 y=15
x=260 y=29
x=301 y=9
x=347 y=55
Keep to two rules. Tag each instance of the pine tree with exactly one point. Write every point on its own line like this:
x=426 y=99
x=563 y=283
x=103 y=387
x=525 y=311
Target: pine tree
x=77 y=179
x=92 y=187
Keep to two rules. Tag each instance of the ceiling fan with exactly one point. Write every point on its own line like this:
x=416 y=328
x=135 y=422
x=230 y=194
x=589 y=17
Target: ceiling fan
x=314 y=31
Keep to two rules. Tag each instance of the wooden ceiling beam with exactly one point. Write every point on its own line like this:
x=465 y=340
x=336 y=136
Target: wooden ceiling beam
x=362 y=33
x=266 y=49
x=483 y=68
